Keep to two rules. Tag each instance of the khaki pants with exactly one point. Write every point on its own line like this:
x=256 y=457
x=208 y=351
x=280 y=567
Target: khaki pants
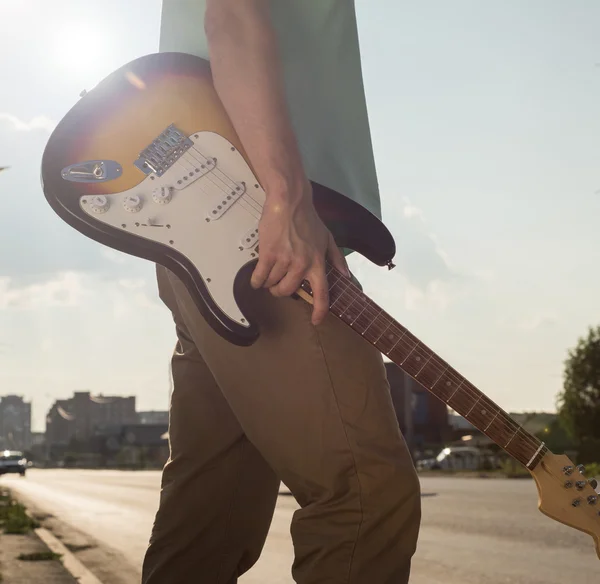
x=306 y=405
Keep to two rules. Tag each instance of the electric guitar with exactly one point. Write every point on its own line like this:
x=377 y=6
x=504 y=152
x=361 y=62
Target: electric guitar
x=148 y=163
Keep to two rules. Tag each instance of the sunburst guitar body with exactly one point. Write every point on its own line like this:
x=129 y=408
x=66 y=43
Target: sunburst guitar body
x=149 y=164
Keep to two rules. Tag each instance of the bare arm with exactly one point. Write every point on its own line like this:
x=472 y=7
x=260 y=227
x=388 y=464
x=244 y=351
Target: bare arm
x=248 y=78
x=247 y=75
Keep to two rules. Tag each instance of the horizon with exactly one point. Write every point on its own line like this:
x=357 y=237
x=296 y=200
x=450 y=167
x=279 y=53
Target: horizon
x=485 y=126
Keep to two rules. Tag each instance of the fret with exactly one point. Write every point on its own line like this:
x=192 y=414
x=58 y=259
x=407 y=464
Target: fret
x=414 y=357
x=464 y=399
x=359 y=314
x=373 y=321
x=424 y=364
x=347 y=313
x=432 y=387
x=357 y=310
x=397 y=341
x=383 y=332
x=501 y=429
x=390 y=339
x=456 y=390
x=342 y=300
x=484 y=414
x=495 y=416
x=512 y=437
x=446 y=385
x=336 y=292
x=411 y=352
x=423 y=367
x=474 y=404
x=364 y=319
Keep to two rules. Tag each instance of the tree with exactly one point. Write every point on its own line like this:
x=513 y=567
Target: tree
x=579 y=401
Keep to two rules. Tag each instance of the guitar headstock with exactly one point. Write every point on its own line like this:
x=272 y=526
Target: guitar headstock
x=568 y=496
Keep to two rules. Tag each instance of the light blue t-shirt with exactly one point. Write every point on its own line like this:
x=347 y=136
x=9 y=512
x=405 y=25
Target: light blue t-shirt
x=319 y=47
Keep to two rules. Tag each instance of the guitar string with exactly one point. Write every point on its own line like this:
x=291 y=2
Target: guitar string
x=257 y=205
x=226 y=193
x=228 y=190
x=418 y=349
x=510 y=424
x=441 y=368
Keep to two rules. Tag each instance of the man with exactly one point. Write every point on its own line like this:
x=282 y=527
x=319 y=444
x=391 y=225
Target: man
x=308 y=403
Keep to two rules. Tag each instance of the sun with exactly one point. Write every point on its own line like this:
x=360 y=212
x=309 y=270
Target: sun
x=80 y=50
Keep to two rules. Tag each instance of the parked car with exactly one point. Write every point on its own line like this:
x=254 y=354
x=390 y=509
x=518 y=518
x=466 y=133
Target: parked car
x=12 y=461
x=460 y=458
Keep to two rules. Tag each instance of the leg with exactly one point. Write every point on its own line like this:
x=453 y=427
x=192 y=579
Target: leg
x=316 y=403
x=218 y=493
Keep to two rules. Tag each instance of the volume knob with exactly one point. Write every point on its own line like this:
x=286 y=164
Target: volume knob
x=132 y=203
x=99 y=204
x=162 y=195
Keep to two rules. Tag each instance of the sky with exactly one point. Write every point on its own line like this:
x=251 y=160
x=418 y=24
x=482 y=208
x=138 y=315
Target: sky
x=486 y=127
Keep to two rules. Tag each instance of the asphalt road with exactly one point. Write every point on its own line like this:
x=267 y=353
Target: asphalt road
x=474 y=531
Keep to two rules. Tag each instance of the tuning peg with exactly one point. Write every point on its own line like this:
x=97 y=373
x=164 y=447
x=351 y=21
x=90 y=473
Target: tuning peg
x=593 y=483
x=568 y=470
x=581 y=469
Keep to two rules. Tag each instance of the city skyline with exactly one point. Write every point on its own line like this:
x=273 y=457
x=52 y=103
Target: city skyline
x=485 y=125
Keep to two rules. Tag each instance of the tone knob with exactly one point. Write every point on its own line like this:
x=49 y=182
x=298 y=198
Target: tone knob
x=99 y=204
x=162 y=195
x=132 y=203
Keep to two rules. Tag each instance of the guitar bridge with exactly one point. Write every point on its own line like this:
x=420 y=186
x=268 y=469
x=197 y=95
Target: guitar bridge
x=164 y=151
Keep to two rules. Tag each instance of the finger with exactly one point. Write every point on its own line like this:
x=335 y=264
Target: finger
x=277 y=273
x=261 y=271
x=336 y=257
x=320 y=288
x=290 y=283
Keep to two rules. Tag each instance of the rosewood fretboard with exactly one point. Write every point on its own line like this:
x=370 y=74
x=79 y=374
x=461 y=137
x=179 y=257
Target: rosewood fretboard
x=364 y=316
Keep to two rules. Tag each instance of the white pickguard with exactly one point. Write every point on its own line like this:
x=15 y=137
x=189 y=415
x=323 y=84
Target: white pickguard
x=218 y=247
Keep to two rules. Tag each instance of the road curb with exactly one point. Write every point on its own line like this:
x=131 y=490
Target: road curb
x=68 y=559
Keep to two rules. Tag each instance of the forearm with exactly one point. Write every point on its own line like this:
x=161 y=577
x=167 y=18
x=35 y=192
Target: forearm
x=248 y=79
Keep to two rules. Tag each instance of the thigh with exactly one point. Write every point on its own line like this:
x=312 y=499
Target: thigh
x=314 y=400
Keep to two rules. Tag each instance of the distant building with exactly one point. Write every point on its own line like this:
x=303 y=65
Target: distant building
x=429 y=415
x=132 y=446
x=79 y=417
x=153 y=417
x=15 y=423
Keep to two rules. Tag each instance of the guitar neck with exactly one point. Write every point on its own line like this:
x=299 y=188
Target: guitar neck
x=362 y=314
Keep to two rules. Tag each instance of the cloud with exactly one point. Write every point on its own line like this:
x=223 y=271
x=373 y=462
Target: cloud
x=420 y=257
x=132 y=284
x=66 y=289
x=425 y=279
x=36 y=123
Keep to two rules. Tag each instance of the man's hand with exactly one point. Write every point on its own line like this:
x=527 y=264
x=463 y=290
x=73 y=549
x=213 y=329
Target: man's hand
x=294 y=246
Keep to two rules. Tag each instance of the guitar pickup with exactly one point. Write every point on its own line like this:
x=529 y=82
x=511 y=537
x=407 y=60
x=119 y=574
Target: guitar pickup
x=196 y=168
x=250 y=239
x=229 y=198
